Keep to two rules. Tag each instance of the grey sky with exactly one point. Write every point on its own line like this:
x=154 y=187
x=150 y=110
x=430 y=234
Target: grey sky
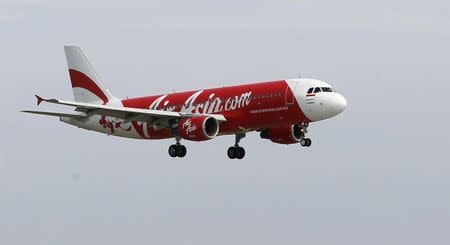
x=377 y=174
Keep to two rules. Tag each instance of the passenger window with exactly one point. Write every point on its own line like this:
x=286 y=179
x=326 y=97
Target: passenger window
x=326 y=89
x=317 y=90
x=310 y=90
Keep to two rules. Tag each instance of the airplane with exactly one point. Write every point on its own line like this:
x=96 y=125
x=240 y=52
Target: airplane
x=280 y=111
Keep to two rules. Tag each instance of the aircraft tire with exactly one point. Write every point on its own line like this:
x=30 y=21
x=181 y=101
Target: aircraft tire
x=308 y=142
x=231 y=152
x=240 y=152
x=173 y=151
x=304 y=142
x=182 y=151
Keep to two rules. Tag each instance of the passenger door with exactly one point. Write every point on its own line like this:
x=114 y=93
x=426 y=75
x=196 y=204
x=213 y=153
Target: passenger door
x=290 y=94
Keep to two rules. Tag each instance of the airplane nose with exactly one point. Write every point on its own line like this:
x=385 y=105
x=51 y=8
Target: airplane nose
x=341 y=103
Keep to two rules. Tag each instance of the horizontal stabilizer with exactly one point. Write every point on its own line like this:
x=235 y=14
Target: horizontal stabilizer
x=39 y=99
x=56 y=114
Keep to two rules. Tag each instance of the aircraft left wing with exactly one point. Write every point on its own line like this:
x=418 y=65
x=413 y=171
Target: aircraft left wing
x=155 y=117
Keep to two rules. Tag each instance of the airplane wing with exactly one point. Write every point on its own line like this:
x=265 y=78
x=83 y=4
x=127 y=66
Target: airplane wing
x=155 y=117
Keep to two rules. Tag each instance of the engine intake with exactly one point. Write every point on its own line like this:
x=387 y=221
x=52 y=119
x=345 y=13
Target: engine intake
x=289 y=134
x=198 y=128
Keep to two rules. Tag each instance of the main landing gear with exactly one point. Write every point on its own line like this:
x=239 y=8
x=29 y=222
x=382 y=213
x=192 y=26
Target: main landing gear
x=305 y=142
x=237 y=152
x=177 y=150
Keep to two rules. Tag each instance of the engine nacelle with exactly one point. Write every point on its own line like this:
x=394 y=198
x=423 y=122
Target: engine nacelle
x=198 y=128
x=289 y=134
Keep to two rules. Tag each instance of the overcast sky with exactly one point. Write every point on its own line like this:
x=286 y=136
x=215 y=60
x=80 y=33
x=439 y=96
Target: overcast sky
x=376 y=174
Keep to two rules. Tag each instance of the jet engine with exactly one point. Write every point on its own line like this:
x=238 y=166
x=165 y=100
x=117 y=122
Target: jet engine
x=289 y=134
x=198 y=128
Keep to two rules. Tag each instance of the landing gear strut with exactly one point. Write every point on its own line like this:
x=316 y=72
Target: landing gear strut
x=305 y=141
x=237 y=152
x=177 y=150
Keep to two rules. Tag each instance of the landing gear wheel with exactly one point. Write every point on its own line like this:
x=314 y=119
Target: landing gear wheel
x=177 y=150
x=182 y=151
x=236 y=152
x=231 y=152
x=305 y=142
x=173 y=151
x=240 y=152
x=308 y=142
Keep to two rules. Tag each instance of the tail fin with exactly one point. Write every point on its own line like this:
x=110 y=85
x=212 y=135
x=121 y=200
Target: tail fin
x=86 y=84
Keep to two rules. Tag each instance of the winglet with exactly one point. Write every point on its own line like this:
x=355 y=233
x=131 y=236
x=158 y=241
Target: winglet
x=39 y=99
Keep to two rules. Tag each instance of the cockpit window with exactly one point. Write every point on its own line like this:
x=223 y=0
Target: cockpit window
x=317 y=90
x=326 y=89
x=310 y=90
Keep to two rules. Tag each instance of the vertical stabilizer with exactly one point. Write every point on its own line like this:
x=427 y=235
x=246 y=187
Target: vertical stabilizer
x=86 y=84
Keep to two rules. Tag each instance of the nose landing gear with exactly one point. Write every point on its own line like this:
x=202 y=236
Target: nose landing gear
x=236 y=152
x=305 y=141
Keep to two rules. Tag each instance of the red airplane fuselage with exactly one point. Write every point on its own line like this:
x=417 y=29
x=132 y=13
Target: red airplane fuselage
x=264 y=105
